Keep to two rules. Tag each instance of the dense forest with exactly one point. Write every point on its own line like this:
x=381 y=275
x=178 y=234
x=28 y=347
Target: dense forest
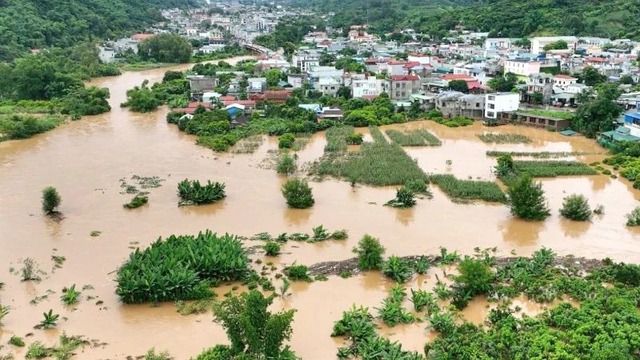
x=31 y=24
x=508 y=18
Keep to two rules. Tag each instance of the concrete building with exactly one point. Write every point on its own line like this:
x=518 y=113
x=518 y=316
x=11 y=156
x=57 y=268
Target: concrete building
x=541 y=83
x=538 y=43
x=521 y=67
x=497 y=43
x=563 y=81
x=500 y=102
x=400 y=87
x=305 y=60
x=369 y=86
x=454 y=103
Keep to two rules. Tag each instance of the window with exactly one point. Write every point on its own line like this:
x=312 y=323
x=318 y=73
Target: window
x=404 y=94
x=491 y=97
x=397 y=85
x=490 y=114
x=477 y=105
x=397 y=93
x=492 y=106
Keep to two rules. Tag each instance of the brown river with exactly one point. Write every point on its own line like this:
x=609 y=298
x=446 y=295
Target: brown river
x=86 y=159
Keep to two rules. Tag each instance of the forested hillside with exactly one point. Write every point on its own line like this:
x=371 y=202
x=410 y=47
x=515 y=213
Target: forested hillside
x=28 y=24
x=509 y=18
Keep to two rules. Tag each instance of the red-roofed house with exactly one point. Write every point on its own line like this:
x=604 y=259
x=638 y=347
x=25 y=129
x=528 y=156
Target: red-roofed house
x=272 y=96
x=140 y=37
x=400 y=87
x=191 y=108
x=473 y=85
x=395 y=67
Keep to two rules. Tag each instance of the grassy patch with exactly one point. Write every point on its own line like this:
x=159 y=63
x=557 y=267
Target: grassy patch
x=337 y=138
x=377 y=163
x=496 y=138
x=136 y=202
x=468 y=189
x=417 y=137
x=248 y=145
x=550 y=168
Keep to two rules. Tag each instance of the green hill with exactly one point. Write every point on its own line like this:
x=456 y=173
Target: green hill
x=28 y=24
x=508 y=18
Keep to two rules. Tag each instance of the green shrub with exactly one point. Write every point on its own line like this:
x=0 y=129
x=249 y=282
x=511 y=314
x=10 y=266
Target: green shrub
x=298 y=272
x=576 y=207
x=392 y=313
x=298 y=194
x=286 y=165
x=355 y=139
x=192 y=193
x=422 y=299
x=404 y=198
x=70 y=295
x=418 y=186
x=286 y=140
x=152 y=355
x=181 y=268
x=23 y=127
x=16 y=341
x=50 y=200
x=397 y=269
x=527 y=199
x=272 y=248
x=633 y=218
x=370 y=253
x=136 y=202
x=475 y=278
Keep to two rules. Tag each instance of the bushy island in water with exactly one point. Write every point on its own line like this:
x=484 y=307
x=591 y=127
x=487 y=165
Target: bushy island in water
x=595 y=313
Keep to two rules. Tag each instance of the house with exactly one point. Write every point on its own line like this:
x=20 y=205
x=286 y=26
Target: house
x=521 y=67
x=395 y=67
x=247 y=105
x=199 y=84
x=538 y=43
x=192 y=107
x=256 y=85
x=400 y=87
x=549 y=122
x=473 y=85
x=497 y=43
x=454 y=103
x=538 y=83
x=632 y=120
x=500 y=102
x=331 y=114
x=305 y=60
x=368 y=85
x=272 y=96
x=296 y=80
x=621 y=134
x=563 y=81
x=328 y=86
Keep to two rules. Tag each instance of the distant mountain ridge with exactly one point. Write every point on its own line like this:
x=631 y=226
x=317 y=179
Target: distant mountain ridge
x=29 y=24
x=508 y=18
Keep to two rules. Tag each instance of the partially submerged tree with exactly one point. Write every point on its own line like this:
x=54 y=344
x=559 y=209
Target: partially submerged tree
x=527 y=199
x=370 y=253
x=254 y=332
x=298 y=194
x=50 y=200
x=576 y=207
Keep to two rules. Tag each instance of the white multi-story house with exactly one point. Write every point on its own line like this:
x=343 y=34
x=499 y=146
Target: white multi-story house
x=538 y=43
x=563 y=81
x=368 y=86
x=497 y=43
x=305 y=60
x=500 y=102
x=521 y=67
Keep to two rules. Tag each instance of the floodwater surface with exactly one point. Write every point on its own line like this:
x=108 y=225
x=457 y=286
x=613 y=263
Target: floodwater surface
x=85 y=160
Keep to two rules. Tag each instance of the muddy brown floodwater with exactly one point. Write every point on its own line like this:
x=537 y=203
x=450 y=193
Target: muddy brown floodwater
x=86 y=159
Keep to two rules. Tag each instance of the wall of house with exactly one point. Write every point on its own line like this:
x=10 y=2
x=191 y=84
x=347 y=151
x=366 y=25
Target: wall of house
x=497 y=103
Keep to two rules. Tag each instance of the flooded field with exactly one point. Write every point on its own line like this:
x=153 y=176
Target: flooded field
x=85 y=161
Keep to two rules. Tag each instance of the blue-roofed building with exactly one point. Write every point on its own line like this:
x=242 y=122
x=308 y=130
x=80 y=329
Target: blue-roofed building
x=632 y=120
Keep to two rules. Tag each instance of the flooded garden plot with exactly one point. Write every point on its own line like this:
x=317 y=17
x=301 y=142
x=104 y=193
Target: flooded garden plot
x=85 y=161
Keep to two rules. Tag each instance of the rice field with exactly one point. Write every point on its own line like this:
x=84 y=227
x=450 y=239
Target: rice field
x=417 y=137
x=337 y=138
x=497 y=138
x=469 y=189
x=377 y=163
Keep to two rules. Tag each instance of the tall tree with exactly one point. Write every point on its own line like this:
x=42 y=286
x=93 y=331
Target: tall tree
x=527 y=199
x=599 y=114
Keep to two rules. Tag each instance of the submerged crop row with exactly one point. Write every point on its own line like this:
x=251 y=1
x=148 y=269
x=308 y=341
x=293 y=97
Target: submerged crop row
x=469 y=189
x=416 y=137
x=377 y=163
x=550 y=168
x=538 y=154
